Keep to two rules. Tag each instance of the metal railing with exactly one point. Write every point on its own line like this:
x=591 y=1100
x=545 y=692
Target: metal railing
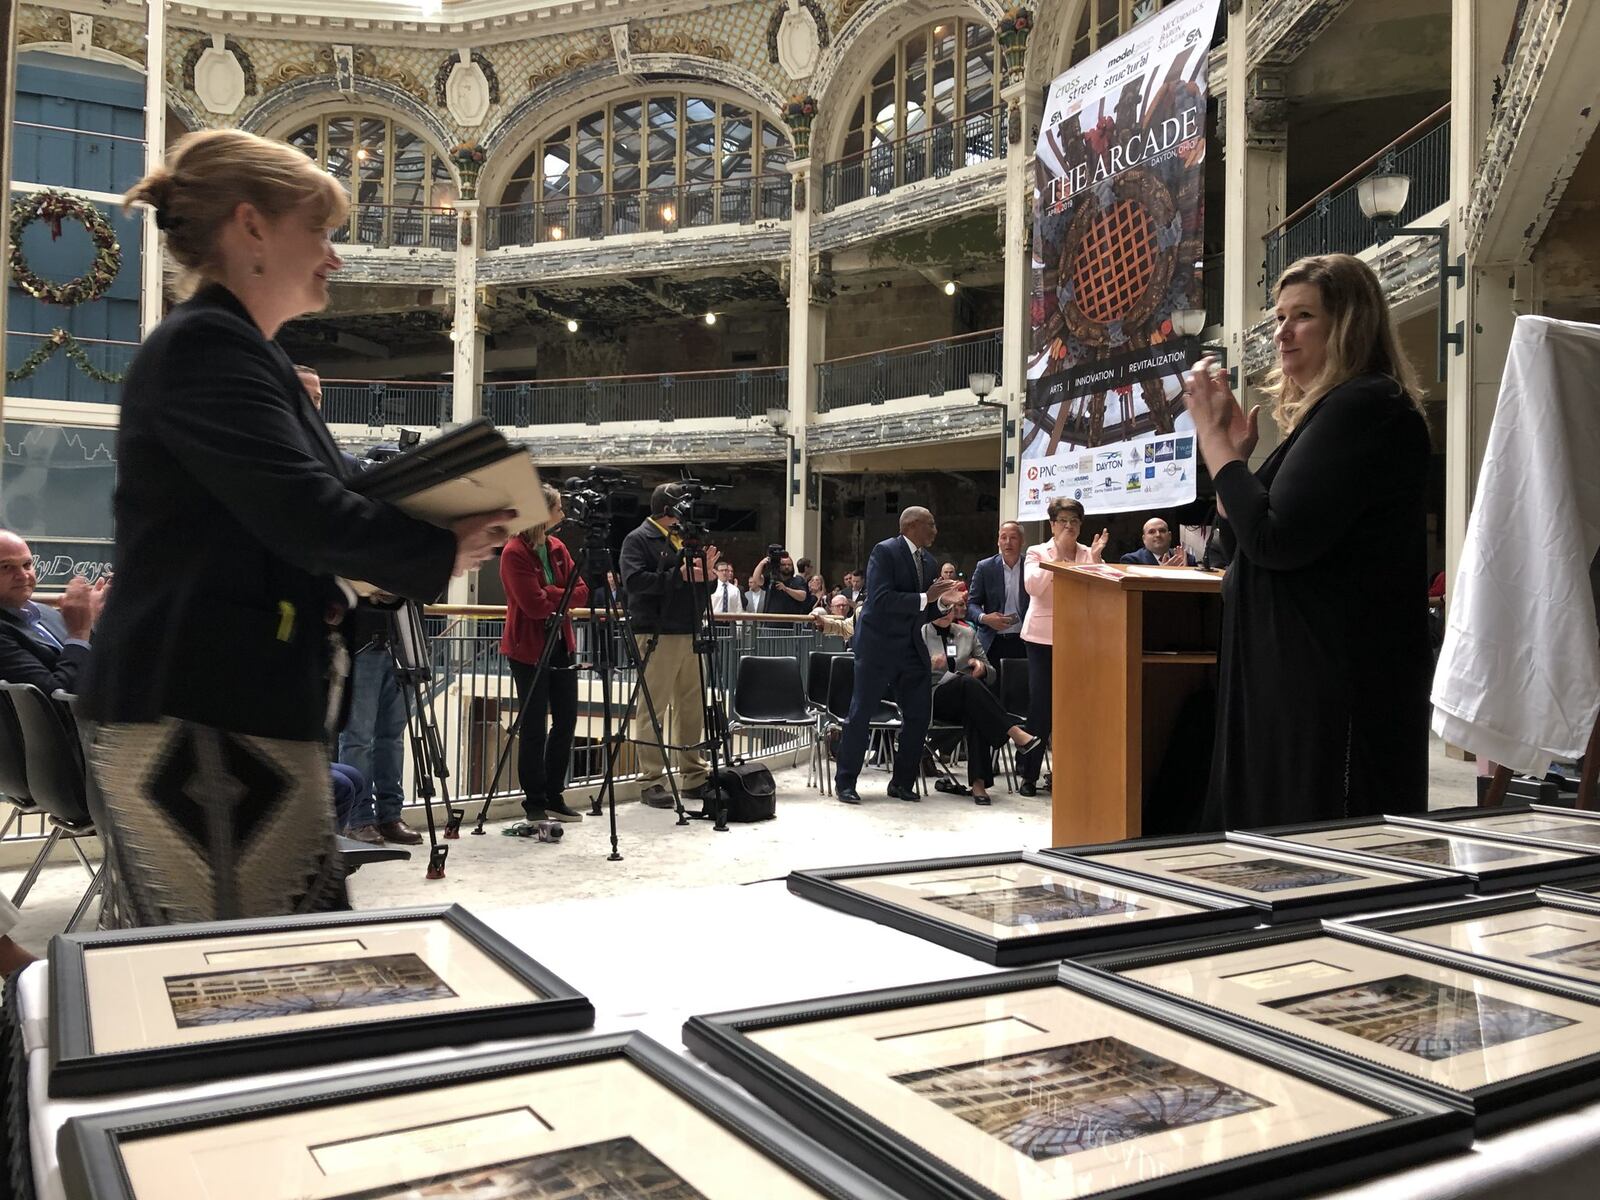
x=398 y=226
x=922 y=369
x=1333 y=223
x=685 y=395
x=384 y=402
x=651 y=210
x=62 y=375
x=475 y=700
x=927 y=154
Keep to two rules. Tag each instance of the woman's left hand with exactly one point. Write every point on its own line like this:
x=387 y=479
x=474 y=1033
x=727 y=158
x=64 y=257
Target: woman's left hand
x=1223 y=430
x=1097 y=548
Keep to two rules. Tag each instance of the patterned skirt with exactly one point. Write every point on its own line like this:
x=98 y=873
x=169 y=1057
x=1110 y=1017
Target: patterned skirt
x=200 y=824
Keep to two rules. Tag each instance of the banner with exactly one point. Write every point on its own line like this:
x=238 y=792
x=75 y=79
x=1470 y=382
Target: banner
x=1118 y=213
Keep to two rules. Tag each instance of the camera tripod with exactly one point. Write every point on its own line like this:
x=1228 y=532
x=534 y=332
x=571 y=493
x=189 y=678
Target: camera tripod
x=408 y=648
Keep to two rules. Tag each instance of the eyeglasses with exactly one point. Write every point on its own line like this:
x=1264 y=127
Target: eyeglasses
x=1067 y=521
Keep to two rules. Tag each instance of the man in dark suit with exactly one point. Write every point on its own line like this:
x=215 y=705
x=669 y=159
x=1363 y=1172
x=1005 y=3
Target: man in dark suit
x=997 y=601
x=1158 y=550
x=904 y=592
x=38 y=644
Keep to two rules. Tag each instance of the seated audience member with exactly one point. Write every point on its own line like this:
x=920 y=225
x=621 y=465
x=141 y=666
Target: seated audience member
x=38 y=644
x=838 y=621
x=817 y=589
x=1158 y=550
x=853 y=586
x=349 y=790
x=725 y=595
x=962 y=695
x=805 y=568
x=999 y=601
x=948 y=571
x=12 y=956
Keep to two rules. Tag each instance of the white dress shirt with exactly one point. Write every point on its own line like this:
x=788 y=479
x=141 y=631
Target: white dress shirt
x=916 y=557
x=727 y=598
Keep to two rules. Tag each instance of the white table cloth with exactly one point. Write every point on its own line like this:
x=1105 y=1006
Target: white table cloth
x=649 y=962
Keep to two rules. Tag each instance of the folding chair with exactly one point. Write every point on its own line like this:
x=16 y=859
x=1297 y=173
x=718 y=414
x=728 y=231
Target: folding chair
x=767 y=694
x=14 y=786
x=885 y=718
x=819 y=669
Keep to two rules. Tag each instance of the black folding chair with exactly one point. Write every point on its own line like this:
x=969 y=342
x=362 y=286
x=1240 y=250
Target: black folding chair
x=819 y=670
x=56 y=777
x=1014 y=697
x=885 y=719
x=14 y=786
x=767 y=694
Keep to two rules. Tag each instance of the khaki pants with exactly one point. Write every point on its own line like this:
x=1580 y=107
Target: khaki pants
x=673 y=677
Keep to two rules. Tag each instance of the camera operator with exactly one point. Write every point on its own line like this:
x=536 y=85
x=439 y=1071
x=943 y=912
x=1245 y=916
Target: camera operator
x=665 y=600
x=784 y=590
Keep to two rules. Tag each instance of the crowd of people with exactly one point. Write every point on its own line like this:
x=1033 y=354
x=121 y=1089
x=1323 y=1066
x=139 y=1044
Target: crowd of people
x=222 y=653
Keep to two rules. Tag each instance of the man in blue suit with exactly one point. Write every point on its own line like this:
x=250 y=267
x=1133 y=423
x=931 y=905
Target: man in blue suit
x=1158 y=550
x=44 y=646
x=904 y=592
x=997 y=601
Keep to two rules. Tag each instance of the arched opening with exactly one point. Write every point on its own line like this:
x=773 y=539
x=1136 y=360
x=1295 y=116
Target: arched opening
x=401 y=186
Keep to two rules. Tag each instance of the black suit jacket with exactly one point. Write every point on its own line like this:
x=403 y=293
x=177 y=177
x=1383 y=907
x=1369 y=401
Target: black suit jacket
x=232 y=520
x=1143 y=558
x=891 y=621
x=27 y=658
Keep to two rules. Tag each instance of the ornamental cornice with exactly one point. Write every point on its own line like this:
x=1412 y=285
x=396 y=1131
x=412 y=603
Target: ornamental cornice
x=927 y=426
x=765 y=241
x=1281 y=30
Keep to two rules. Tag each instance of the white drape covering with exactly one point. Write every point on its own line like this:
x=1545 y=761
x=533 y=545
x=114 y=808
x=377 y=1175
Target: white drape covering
x=1518 y=679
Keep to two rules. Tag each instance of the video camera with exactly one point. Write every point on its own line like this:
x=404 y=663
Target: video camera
x=591 y=499
x=775 y=556
x=408 y=440
x=695 y=514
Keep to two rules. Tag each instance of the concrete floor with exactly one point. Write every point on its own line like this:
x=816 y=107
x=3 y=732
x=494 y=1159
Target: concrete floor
x=493 y=871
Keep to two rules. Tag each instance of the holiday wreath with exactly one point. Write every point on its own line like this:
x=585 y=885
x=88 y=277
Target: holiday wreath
x=54 y=208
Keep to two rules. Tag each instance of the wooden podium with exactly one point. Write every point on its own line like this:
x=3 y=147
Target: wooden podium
x=1132 y=644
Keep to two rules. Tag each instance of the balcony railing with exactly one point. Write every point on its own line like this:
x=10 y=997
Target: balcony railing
x=1333 y=223
x=653 y=210
x=686 y=395
x=62 y=375
x=398 y=226
x=923 y=369
x=384 y=402
x=928 y=154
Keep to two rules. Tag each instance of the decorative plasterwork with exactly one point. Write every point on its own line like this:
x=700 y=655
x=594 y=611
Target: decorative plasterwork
x=81 y=34
x=343 y=65
x=1522 y=82
x=1281 y=30
x=644 y=41
x=767 y=241
x=460 y=66
x=622 y=47
x=301 y=90
x=796 y=36
x=220 y=74
x=963 y=191
x=746 y=442
x=573 y=60
x=43 y=25
x=926 y=426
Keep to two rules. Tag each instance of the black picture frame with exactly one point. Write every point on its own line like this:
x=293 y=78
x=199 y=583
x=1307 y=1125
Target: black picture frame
x=1389 y=929
x=1449 y=816
x=1424 y=885
x=1484 y=878
x=1222 y=914
x=90 y=1147
x=77 y=1070
x=1495 y=1106
x=1420 y=1127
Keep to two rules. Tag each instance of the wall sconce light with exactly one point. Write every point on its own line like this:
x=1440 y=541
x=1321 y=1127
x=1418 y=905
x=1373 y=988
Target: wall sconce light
x=950 y=287
x=778 y=418
x=556 y=233
x=1188 y=322
x=711 y=318
x=572 y=326
x=1383 y=197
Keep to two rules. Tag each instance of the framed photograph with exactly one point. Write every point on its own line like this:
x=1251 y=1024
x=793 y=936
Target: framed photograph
x=1492 y=863
x=1016 y=908
x=616 y=1116
x=1541 y=824
x=1550 y=931
x=1062 y=1082
x=1285 y=883
x=145 y=1008
x=1512 y=1044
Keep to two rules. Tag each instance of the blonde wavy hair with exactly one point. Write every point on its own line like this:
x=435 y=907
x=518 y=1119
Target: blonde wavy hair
x=208 y=174
x=1361 y=336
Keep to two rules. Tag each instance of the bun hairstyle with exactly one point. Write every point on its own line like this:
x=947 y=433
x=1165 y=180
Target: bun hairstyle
x=207 y=176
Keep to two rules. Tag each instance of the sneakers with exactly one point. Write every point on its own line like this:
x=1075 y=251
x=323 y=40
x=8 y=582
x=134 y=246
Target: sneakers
x=559 y=810
x=364 y=833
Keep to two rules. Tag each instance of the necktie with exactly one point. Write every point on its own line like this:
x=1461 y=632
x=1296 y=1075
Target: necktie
x=724 y=607
x=916 y=559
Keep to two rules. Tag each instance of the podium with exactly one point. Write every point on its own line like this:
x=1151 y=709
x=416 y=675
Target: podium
x=1131 y=645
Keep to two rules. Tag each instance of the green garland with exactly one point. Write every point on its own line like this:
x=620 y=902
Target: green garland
x=55 y=207
x=60 y=339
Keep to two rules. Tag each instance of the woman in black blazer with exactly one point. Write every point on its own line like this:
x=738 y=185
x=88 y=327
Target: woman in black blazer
x=219 y=661
x=1322 y=692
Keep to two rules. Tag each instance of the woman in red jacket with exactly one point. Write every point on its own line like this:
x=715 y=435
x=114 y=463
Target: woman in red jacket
x=534 y=567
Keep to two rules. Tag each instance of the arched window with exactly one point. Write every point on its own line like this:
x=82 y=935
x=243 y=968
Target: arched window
x=391 y=173
x=650 y=162
x=929 y=108
x=1103 y=21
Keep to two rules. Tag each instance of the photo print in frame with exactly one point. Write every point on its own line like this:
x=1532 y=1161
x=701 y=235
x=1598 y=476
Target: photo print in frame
x=145 y=1008
x=1285 y=883
x=610 y=1117
x=1056 y=1083
x=1509 y=1043
x=1014 y=908
x=1540 y=824
x=1492 y=863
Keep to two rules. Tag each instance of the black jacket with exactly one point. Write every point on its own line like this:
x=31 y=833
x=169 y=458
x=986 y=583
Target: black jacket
x=660 y=600
x=27 y=658
x=232 y=520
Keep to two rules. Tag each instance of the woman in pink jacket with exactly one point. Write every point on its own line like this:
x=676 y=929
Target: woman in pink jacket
x=1066 y=519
